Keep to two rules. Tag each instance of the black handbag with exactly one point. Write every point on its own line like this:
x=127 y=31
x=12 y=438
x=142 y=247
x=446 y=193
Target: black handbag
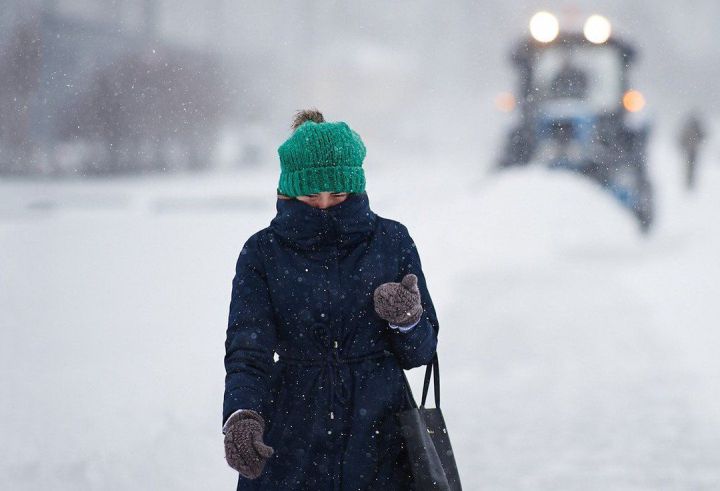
x=426 y=438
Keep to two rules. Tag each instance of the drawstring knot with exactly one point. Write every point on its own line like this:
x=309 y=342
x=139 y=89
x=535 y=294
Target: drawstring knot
x=338 y=385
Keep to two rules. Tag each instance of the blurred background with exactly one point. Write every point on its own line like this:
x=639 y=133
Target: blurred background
x=138 y=152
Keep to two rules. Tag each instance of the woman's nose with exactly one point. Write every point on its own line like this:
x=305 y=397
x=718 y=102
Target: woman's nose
x=324 y=201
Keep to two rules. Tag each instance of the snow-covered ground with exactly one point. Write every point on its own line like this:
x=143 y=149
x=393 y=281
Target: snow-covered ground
x=575 y=353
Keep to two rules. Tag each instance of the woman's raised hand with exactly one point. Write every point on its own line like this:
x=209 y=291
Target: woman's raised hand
x=244 y=448
x=399 y=303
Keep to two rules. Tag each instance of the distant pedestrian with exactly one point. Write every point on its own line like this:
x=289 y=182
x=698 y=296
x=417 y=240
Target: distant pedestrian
x=692 y=135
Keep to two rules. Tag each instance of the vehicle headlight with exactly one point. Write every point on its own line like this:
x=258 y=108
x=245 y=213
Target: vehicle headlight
x=633 y=100
x=505 y=102
x=597 y=29
x=544 y=27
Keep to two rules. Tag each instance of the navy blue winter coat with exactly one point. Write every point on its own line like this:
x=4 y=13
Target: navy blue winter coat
x=303 y=289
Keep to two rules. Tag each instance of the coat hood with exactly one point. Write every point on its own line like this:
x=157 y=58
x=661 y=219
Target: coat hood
x=344 y=224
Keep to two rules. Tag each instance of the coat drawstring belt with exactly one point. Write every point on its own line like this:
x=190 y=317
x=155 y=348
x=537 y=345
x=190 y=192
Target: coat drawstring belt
x=338 y=385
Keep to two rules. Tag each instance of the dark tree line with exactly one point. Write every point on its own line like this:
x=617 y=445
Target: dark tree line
x=19 y=79
x=145 y=110
x=149 y=111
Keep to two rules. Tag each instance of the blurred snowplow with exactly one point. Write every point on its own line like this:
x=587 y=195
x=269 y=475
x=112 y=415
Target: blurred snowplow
x=577 y=111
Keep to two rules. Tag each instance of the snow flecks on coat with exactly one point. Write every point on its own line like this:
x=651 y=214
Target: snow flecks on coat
x=303 y=289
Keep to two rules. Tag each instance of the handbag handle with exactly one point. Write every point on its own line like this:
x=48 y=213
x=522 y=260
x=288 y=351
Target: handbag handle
x=434 y=364
x=426 y=385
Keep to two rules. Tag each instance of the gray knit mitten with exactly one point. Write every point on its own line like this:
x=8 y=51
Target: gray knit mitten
x=244 y=449
x=399 y=303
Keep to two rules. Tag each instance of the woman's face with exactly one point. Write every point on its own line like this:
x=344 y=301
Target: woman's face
x=324 y=199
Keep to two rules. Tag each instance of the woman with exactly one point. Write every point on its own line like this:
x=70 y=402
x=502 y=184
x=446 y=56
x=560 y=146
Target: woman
x=339 y=294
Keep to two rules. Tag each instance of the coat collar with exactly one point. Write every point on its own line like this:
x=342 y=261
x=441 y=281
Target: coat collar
x=346 y=223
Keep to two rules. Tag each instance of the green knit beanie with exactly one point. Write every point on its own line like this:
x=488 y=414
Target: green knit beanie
x=322 y=157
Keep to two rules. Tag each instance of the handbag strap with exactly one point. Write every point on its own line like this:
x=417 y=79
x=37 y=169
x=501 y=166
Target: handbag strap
x=426 y=385
x=434 y=368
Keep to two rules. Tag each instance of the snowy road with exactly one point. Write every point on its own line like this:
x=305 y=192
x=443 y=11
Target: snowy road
x=575 y=354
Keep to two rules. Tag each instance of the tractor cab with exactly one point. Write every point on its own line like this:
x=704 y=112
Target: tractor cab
x=574 y=103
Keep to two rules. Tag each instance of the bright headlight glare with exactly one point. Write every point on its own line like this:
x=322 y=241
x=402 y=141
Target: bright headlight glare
x=597 y=29
x=633 y=100
x=544 y=27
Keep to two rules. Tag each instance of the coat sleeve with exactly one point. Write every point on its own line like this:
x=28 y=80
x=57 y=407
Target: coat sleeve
x=415 y=347
x=251 y=334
